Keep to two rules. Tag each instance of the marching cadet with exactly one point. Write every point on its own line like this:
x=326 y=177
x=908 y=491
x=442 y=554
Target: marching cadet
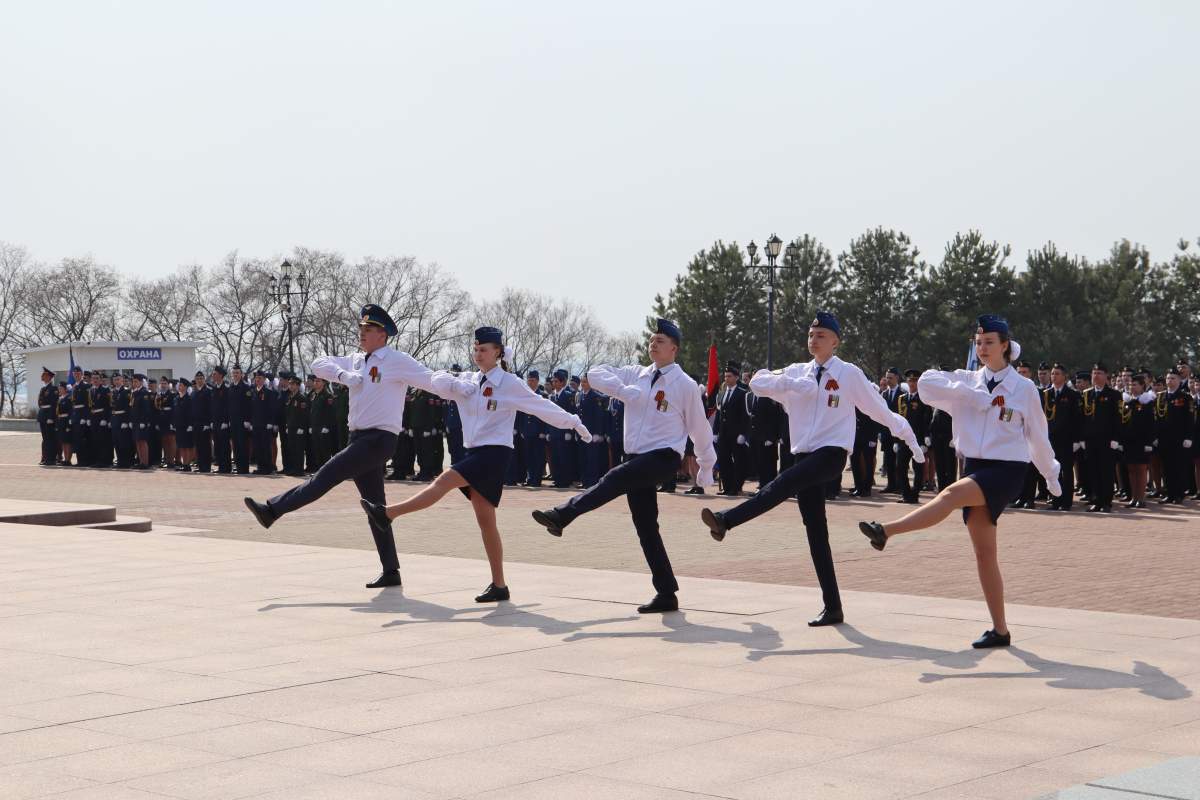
x=296 y=422
x=122 y=421
x=533 y=433
x=219 y=420
x=891 y=391
x=593 y=410
x=263 y=405
x=322 y=423
x=764 y=437
x=141 y=420
x=1063 y=407
x=100 y=437
x=917 y=414
x=185 y=430
x=62 y=423
x=1176 y=422
x=733 y=430
x=1101 y=433
x=453 y=422
x=240 y=396
x=1137 y=436
x=46 y=417
x=562 y=443
x=81 y=414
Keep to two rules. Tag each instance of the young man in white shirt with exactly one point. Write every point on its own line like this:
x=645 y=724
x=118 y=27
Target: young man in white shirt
x=819 y=397
x=662 y=409
x=378 y=379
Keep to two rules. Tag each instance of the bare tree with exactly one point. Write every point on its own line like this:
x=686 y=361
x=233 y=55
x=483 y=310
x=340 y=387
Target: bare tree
x=163 y=308
x=75 y=301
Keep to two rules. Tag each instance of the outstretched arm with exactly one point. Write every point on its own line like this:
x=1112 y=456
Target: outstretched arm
x=406 y=369
x=778 y=385
x=1038 y=438
x=544 y=409
x=615 y=382
x=452 y=387
x=337 y=369
x=871 y=403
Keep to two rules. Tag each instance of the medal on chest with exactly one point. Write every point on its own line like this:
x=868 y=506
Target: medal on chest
x=376 y=375
x=833 y=399
x=1006 y=413
x=491 y=401
x=660 y=400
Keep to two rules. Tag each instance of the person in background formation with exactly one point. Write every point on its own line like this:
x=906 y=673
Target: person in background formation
x=202 y=423
x=99 y=436
x=1063 y=407
x=165 y=408
x=310 y=440
x=219 y=420
x=263 y=402
x=141 y=420
x=917 y=414
x=62 y=424
x=862 y=454
x=891 y=391
x=47 y=411
x=121 y=426
x=534 y=435
x=562 y=443
x=185 y=429
x=1102 y=406
x=1176 y=424
x=322 y=423
x=453 y=423
x=1137 y=436
x=592 y=408
x=405 y=455
x=80 y=411
x=766 y=423
x=241 y=430
x=733 y=431
x=295 y=431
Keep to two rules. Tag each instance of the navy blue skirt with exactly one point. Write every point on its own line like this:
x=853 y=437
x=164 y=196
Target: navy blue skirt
x=1001 y=482
x=484 y=469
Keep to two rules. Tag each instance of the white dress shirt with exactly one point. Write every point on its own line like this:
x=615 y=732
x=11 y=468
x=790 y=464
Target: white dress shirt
x=1006 y=424
x=822 y=415
x=660 y=416
x=488 y=408
x=378 y=384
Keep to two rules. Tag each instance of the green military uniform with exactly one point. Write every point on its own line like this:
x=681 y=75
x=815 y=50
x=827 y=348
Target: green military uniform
x=428 y=420
x=341 y=415
x=296 y=414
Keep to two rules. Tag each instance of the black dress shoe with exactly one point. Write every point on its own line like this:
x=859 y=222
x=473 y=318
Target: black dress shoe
x=992 y=639
x=550 y=520
x=660 y=604
x=377 y=513
x=828 y=616
x=492 y=594
x=695 y=490
x=261 y=511
x=389 y=578
x=1092 y=509
x=874 y=532
x=715 y=522
x=666 y=490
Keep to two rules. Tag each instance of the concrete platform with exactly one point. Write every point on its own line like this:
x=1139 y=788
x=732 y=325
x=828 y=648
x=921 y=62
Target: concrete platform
x=35 y=512
x=138 y=666
x=122 y=523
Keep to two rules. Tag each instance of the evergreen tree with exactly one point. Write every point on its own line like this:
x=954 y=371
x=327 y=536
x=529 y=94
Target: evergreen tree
x=806 y=283
x=1051 y=312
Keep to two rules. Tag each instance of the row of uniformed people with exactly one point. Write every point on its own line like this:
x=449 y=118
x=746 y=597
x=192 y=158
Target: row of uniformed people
x=179 y=423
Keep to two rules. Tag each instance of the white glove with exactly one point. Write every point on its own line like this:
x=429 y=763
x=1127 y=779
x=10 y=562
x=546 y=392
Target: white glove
x=872 y=445
x=1114 y=445
x=1187 y=443
x=582 y=430
x=189 y=428
x=924 y=450
x=910 y=441
x=896 y=448
x=1155 y=443
x=1052 y=484
x=142 y=425
x=704 y=478
x=324 y=430
x=741 y=439
x=768 y=443
x=715 y=438
x=247 y=426
x=928 y=441
x=349 y=378
x=567 y=437
x=1076 y=447
x=224 y=425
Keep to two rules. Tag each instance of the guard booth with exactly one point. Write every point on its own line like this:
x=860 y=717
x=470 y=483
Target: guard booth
x=153 y=359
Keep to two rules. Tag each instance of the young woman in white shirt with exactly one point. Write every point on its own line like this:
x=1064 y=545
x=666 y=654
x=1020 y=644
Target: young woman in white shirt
x=488 y=402
x=999 y=428
x=820 y=397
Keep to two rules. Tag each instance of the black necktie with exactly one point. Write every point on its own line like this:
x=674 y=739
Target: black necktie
x=820 y=372
x=483 y=379
x=992 y=383
x=657 y=375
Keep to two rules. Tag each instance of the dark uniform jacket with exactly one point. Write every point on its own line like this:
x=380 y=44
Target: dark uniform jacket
x=1102 y=415
x=733 y=415
x=1064 y=415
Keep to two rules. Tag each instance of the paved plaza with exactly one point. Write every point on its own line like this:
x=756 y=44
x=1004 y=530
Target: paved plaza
x=223 y=665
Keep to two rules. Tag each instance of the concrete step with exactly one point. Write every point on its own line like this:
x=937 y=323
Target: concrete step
x=121 y=523
x=36 y=512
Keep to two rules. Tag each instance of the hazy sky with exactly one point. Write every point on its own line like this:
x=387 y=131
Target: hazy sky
x=589 y=149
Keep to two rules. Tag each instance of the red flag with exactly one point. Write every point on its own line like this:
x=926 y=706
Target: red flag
x=714 y=372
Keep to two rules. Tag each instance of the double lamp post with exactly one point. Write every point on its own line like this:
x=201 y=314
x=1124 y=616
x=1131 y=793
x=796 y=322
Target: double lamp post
x=280 y=291
x=774 y=246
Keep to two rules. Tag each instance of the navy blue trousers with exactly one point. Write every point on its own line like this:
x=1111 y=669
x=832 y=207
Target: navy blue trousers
x=362 y=461
x=806 y=480
x=638 y=479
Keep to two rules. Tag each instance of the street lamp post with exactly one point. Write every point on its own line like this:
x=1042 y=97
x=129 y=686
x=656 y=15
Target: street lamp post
x=280 y=291
x=774 y=245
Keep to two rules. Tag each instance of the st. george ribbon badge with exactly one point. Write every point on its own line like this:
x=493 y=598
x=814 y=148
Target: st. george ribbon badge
x=660 y=400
